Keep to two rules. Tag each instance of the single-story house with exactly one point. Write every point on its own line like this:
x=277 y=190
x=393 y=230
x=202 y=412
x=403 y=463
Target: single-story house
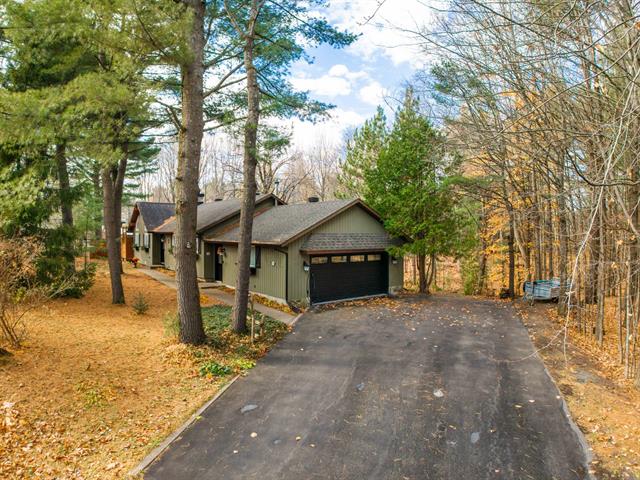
x=146 y=216
x=304 y=253
x=211 y=215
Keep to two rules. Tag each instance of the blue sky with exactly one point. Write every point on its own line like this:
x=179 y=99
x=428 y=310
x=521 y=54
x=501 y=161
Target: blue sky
x=368 y=73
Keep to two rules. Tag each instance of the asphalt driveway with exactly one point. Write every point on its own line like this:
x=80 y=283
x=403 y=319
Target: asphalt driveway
x=445 y=388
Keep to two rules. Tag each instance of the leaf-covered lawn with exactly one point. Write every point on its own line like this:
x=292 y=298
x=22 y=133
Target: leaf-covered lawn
x=97 y=386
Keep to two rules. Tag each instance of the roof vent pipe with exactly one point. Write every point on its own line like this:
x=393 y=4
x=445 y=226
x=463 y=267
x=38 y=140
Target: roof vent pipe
x=313 y=199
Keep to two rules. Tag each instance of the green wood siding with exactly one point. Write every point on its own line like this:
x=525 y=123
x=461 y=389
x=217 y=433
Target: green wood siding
x=269 y=278
x=169 y=259
x=354 y=220
x=145 y=255
x=200 y=259
x=396 y=275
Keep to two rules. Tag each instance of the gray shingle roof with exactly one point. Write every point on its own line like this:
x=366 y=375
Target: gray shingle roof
x=279 y=225
x=210 y=213
x=154 y=213
x=348 y=242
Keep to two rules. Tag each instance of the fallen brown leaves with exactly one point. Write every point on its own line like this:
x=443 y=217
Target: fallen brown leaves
x=96 y=387
x=261 y=299
x=605 y=406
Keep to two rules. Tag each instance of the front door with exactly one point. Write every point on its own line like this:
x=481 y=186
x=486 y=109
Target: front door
x=209 y=251
x=219 y=256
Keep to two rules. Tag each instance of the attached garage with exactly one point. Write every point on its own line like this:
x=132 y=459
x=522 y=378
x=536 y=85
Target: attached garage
x=316 y=252
x=340 y=276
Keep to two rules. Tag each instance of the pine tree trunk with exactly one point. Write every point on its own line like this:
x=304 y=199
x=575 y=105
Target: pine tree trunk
x=422 y=274
x=432 y=272
x=186 y=184
x=112 y=188
x=97 y=192
x=66 y=205
x=249 y=181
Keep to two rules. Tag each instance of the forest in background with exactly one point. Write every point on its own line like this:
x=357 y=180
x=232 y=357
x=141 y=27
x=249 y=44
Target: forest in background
x=541 y=98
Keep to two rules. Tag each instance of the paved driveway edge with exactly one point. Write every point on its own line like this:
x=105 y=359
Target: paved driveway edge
x=156 y=452
x=582 y=440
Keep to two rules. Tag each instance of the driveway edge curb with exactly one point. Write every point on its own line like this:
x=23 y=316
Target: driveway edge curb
x=295 y=320
x=582 y=440
x=159 y=450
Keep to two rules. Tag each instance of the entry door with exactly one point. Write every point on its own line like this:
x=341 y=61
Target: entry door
x=209 y=252
x=218 y=263
x=341 y=276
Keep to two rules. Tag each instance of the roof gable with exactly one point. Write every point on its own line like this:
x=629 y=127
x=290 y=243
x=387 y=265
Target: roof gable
x=153 y=214
x=282 y=225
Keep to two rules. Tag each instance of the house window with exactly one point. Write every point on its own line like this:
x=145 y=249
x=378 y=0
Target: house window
x=147 y=237
x=319 y=260
x=339 y=259
x=374 y=258
x=197 y=245
x=173 y=242
x=254 y=260
x=136 y=242
x=356 y=258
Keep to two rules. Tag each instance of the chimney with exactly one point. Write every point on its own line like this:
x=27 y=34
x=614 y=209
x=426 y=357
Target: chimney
x=313 y=199
x=200 y=197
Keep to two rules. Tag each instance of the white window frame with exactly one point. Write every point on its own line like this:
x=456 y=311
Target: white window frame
x=197 y=245
x=147 y=240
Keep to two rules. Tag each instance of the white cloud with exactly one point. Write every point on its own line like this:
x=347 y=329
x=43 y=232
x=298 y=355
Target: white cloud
x=306 y=134
x=325 y=85
x=339 y=70
x=373 y=93
x=339 y=81
x=390 y=32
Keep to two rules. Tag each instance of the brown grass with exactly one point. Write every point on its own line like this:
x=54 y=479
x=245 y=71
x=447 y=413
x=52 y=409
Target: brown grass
x=605 y=406
x=96 y=386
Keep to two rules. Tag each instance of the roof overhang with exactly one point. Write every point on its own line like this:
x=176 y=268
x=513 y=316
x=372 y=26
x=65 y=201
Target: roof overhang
x=134 y=218
x=341 y=250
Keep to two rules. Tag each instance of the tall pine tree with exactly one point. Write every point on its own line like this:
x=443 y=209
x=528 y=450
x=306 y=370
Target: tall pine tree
x=363 y=151
x=410 y=185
